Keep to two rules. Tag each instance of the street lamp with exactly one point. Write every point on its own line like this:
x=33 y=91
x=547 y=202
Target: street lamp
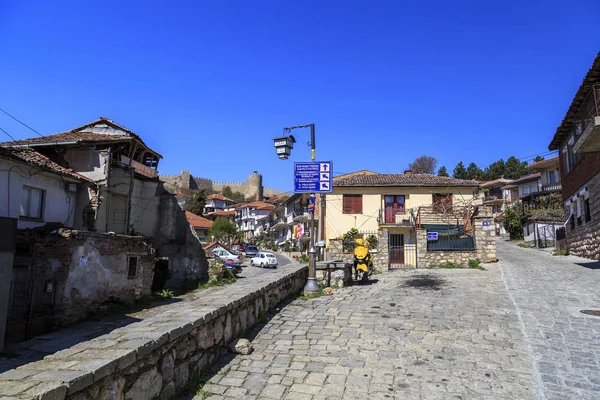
x=283 y=146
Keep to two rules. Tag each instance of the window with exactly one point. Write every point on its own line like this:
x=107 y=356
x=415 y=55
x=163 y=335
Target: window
x=32 y=203
x=578 y=211
x=352 y=204
x=132 y=270
x=442 y=202
x=586 y=207
x=552 y=176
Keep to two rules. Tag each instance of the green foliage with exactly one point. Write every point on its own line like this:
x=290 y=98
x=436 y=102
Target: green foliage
x=538 y=159
x=288 y=246
x=475 y=264
x=442 y=171
x=460 y=172
x=225 y=278
x=474 y=172
x=164 y=294
x=514 y=168
x=196 y=203
x=235 y=196
x=222 y=228
x=423 y=165
x=525 y=245
x=547 y=208
x=303 y=258
x=511 y=220
x=349 y=240
x=448 y=265
x=560 y=253
x=309 y=296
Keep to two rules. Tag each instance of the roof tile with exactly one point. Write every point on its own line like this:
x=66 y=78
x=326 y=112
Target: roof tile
x=32 y=157
x=401 y=180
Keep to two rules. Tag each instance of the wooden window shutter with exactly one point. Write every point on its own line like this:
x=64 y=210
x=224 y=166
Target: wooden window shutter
x=352 y=204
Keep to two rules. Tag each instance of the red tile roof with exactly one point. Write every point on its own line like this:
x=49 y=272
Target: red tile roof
x=400 y=180
x=543 y=162
x=219 y=197
x=80 y=135
x=348 y=175
x=197 y=221
x=32 y=157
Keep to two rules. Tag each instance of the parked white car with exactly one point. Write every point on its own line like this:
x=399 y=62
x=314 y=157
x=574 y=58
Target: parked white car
x=264 y=259
x=226 y=255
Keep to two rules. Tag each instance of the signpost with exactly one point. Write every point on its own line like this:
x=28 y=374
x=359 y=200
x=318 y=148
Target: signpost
x=432 y=236
x=313 y=177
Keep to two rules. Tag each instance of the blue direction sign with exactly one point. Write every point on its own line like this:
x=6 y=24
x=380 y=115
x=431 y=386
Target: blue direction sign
x=432 y=236
x=313 y=177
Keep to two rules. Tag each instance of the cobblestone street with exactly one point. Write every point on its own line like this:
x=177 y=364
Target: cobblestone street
x=433 y=334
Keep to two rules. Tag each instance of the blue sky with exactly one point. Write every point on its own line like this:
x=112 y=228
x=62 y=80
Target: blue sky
x=208 y=84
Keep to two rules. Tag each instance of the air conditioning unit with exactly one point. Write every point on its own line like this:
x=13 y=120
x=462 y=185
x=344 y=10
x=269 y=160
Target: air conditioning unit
x=71 y=187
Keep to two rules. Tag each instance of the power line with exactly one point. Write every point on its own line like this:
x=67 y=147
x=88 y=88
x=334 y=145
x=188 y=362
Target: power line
x=8 y=134
x=21 y=122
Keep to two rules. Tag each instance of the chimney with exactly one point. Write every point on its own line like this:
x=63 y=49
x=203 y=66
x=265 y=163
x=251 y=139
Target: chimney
x=408 y=172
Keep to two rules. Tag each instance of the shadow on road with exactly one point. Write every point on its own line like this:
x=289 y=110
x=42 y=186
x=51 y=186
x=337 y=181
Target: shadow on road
x=425 y=282
x=590 y=265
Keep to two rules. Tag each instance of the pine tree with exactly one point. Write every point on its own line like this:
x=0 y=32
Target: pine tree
x=442 y=171
x=495 y=170
x=474 y=172
x=514 y=168
x=460 y=172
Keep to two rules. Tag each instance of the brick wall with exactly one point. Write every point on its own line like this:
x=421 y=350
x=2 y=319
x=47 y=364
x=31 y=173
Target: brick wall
x=584 y=240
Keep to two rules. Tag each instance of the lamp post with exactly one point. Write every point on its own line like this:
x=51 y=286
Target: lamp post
x=283 y=146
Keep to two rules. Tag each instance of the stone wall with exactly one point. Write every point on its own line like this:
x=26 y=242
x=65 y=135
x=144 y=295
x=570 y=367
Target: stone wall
x=584 y=240
x=485 y=244
x=69 y=274
x=155 y=358
x=335 y=251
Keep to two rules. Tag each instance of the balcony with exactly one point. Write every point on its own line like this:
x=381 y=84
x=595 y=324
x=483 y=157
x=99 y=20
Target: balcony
x=140 y=168
x=395 y=217
x=586 y=124
x=551 y=187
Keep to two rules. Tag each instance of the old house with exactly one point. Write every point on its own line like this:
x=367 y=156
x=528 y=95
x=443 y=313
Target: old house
x=496 y=195
x=577 y=139
x=216 y=202
x=250 y=218
x=290 y=221
x=392 y=211
x=200 y=225
x=122 y=194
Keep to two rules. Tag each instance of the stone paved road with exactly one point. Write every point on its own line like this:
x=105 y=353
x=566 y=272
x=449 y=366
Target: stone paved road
x=549 y=292
x=426 y=334
x=249 y=271
x=511 y=332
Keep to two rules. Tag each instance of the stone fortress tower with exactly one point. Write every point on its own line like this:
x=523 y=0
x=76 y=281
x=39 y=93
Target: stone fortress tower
x=185 y=182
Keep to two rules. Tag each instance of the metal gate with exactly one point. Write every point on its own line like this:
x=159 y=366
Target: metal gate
x=400 y=254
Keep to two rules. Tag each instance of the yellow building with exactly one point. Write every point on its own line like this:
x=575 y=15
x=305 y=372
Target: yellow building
x=372 y=202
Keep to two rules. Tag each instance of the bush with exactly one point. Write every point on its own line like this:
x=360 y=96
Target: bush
x=512 y=222
x=475 y=264
x=164 y=294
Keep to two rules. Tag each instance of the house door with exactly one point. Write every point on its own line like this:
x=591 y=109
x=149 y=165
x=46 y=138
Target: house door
x=393 y=206
x=396 y=249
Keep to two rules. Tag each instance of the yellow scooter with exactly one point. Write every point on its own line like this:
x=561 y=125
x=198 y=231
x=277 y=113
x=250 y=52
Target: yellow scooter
x=363 y=264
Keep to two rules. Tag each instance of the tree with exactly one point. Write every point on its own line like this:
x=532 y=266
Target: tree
x=197 y=203
x=511 y=219
x=474 y=172
x=235 y=196
x=514 y=168
x=423 y=165
x=538 y=158
x=460 y=172
x=495 y=170
x=222 y=228
x=442 y=171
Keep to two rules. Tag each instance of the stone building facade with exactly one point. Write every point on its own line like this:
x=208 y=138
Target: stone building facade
x=60 y=277
x=584 y=239
x=185 y=182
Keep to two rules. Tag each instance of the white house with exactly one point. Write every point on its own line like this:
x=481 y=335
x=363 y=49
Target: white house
x=249 y=218
x=216 y=202
x=290 y=221
x=36 y=190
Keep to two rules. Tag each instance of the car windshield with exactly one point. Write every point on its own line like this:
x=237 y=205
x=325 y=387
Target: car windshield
x=251 y=247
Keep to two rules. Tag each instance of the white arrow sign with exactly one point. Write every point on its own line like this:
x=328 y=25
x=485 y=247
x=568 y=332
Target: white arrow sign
x=324 y=167
x=323 y=185
x=324 y=176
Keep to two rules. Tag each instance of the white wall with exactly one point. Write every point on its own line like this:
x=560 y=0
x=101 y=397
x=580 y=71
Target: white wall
x=90 y=163
x=145 y=204
x=59 y=206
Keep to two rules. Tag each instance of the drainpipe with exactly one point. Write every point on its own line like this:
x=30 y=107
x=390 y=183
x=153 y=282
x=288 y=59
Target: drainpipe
x=107 y=199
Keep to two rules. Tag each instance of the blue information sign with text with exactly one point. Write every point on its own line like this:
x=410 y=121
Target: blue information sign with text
x=313 y=177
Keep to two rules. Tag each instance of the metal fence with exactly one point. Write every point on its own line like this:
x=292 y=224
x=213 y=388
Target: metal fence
x=449 y=238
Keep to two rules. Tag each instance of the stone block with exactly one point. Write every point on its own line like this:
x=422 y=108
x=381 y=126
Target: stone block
x=147 y=386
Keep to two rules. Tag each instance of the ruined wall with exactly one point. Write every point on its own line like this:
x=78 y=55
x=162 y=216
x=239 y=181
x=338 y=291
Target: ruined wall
x=72 y=273
x=176 y=240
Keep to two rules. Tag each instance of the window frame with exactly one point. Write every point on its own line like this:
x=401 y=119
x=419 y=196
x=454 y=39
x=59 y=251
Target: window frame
x=42 y=208
x=352 y=203
x=135 y=267
x=586 y=210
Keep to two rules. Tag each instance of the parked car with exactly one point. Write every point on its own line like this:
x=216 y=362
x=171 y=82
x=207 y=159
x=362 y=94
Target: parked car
x=251 y=250
x=264 y=259
x=231 y=265
x=223 y=254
